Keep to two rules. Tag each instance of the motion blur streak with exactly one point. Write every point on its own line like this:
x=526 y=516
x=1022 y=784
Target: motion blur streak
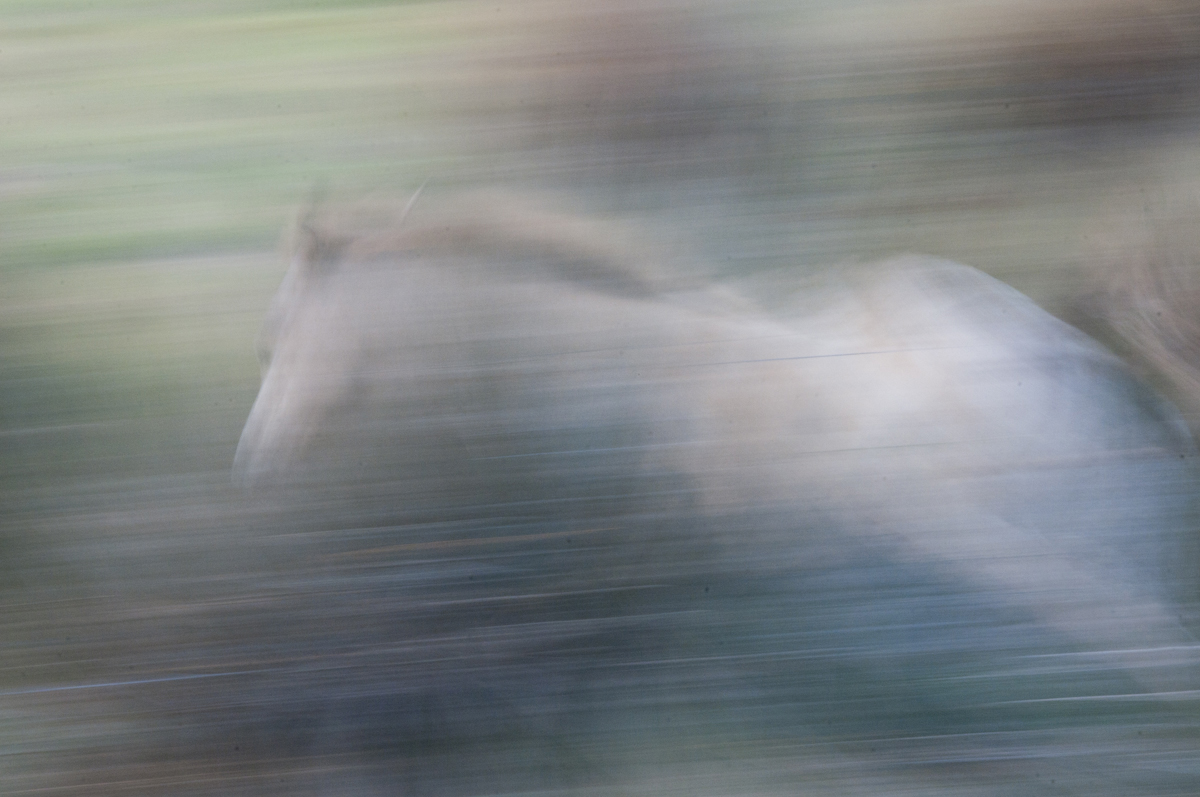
x=860 y=519
x=601 y=464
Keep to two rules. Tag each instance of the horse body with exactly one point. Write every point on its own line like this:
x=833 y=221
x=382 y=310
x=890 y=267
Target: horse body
x=915 y=473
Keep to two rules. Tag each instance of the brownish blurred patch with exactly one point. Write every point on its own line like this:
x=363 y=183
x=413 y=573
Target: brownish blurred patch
x=1141 y=294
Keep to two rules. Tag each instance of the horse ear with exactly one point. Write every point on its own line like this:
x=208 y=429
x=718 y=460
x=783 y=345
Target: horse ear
x=316 y=249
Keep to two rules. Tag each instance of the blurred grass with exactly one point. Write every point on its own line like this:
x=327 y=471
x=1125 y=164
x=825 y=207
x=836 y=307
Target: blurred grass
x=136 y=129
x=129 y=368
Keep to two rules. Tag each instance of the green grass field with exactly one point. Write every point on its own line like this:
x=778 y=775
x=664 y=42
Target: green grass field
x=148 y=129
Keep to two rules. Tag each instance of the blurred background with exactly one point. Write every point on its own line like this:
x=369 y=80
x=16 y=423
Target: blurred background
x=152 y=151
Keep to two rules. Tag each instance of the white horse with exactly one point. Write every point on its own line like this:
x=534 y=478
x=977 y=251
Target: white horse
x=913 y=472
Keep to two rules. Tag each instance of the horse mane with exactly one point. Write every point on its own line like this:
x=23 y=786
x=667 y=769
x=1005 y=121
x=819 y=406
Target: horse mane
x=489 y=230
